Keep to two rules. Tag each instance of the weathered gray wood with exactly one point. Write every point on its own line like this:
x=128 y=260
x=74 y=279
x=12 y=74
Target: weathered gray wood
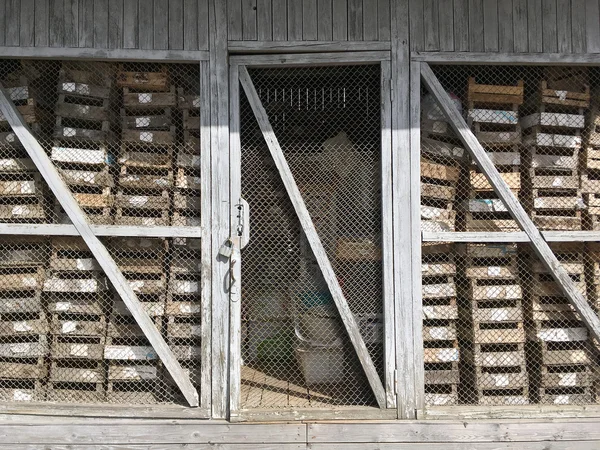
x=235 y=183
x=220 y=231
x=203 y=24
x=86 y=23
x=370 y=13
x=461 y=25
x=490 y=25
x=309 y=20
x=56 y=23
x=389 y=314
x=101 y=23
x=276 y=446
x=446 y=25
x=115 y=23
x=431 y=25
x=312 y=58
x=161 y=24
x=294 y=20
x=563 y=26
x=340 y=20
x=520 y=25
x=592 y=26
x=99 y=230
x=234 y=19
x=27 y=25
x=355 y=20
x=476 y=38
x=324 y=20
x=2 y=22
x=313 y=238
x=71 y=23
x=249 y=20
x=455 y=431
x=305 y=46
x=384 y=19
x=41 y=23
x=205 y=243
x=505 y=30
x=103 y=54
x=512 y=204
x=280 y=21
x=534 y=25
x=402 y=228
x=264 y=20
x=557 y=59
x=538 y=412
x=110 y=268
x=549 y=28
x=415 y=241
x=13 y=21
x=190 y=24
x=130 y=24
x=177 y=23
x=516 y=236
x=578 y=21
x=416 y=23
x=462 y=446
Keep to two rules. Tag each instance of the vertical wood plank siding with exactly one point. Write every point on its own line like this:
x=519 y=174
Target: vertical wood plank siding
x=564 y=26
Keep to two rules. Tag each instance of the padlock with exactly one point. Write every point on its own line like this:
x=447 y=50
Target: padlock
x=226 y=249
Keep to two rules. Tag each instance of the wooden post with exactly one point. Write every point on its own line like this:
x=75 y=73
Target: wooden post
x=401 y=208
x=313 y=238
x=106 y=262
x=539 y=244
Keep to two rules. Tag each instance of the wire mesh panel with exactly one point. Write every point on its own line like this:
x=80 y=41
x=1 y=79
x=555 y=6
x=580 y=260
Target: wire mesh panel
x=125 y=138
x=497 y=328
x=295 y=350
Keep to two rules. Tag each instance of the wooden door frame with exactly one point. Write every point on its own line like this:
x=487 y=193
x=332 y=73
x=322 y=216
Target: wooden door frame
x=391 y=320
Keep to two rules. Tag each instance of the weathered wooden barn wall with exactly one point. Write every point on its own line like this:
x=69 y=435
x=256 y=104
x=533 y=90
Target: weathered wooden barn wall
x=105 y=24
x=549 y=26
x=309 y=20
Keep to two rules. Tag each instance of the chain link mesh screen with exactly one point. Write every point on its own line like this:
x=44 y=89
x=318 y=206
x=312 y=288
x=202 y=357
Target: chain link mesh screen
x=497 y=329
x=295 y=350
x=126 y=139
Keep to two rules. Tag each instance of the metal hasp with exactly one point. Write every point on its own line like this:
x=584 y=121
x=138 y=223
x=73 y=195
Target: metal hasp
x=313 y=238
x=539 y=244
x=106 y=262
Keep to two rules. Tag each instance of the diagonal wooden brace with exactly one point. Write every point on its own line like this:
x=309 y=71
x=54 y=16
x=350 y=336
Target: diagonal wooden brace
x=106 y=262
x=313 y=238
x=539 y=244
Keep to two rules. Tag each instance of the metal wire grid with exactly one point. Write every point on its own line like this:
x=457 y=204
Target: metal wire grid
x=295 y=350
x=125 y=138
x=497 y=330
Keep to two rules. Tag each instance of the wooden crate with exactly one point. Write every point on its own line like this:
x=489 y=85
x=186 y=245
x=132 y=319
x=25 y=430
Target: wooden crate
x=564 y=98
x=136 y=101
x=142 y=209
x=494 y=94
x=151 y=81
x=161 y=119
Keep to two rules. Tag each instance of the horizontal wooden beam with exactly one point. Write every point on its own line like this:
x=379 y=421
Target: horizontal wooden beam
x=514 y=207
x=507 y=58
x=99 y=230
x=329 y=59
x=515 y=236
x=102 y=54
x=306 y=46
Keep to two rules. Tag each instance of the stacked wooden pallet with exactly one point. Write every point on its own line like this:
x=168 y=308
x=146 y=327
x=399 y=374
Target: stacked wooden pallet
x=146 y=154
x=493 y=115
x=186 y=201
x=558 y=338
x=552 y=137
x=21 y=189
x=590 y=165
x=183 y=309
x=133 y=367
x=76 y=292
x=23 y=321
x=439 y=183
x=82 y=136
x=495 y=334
x=440 y=314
